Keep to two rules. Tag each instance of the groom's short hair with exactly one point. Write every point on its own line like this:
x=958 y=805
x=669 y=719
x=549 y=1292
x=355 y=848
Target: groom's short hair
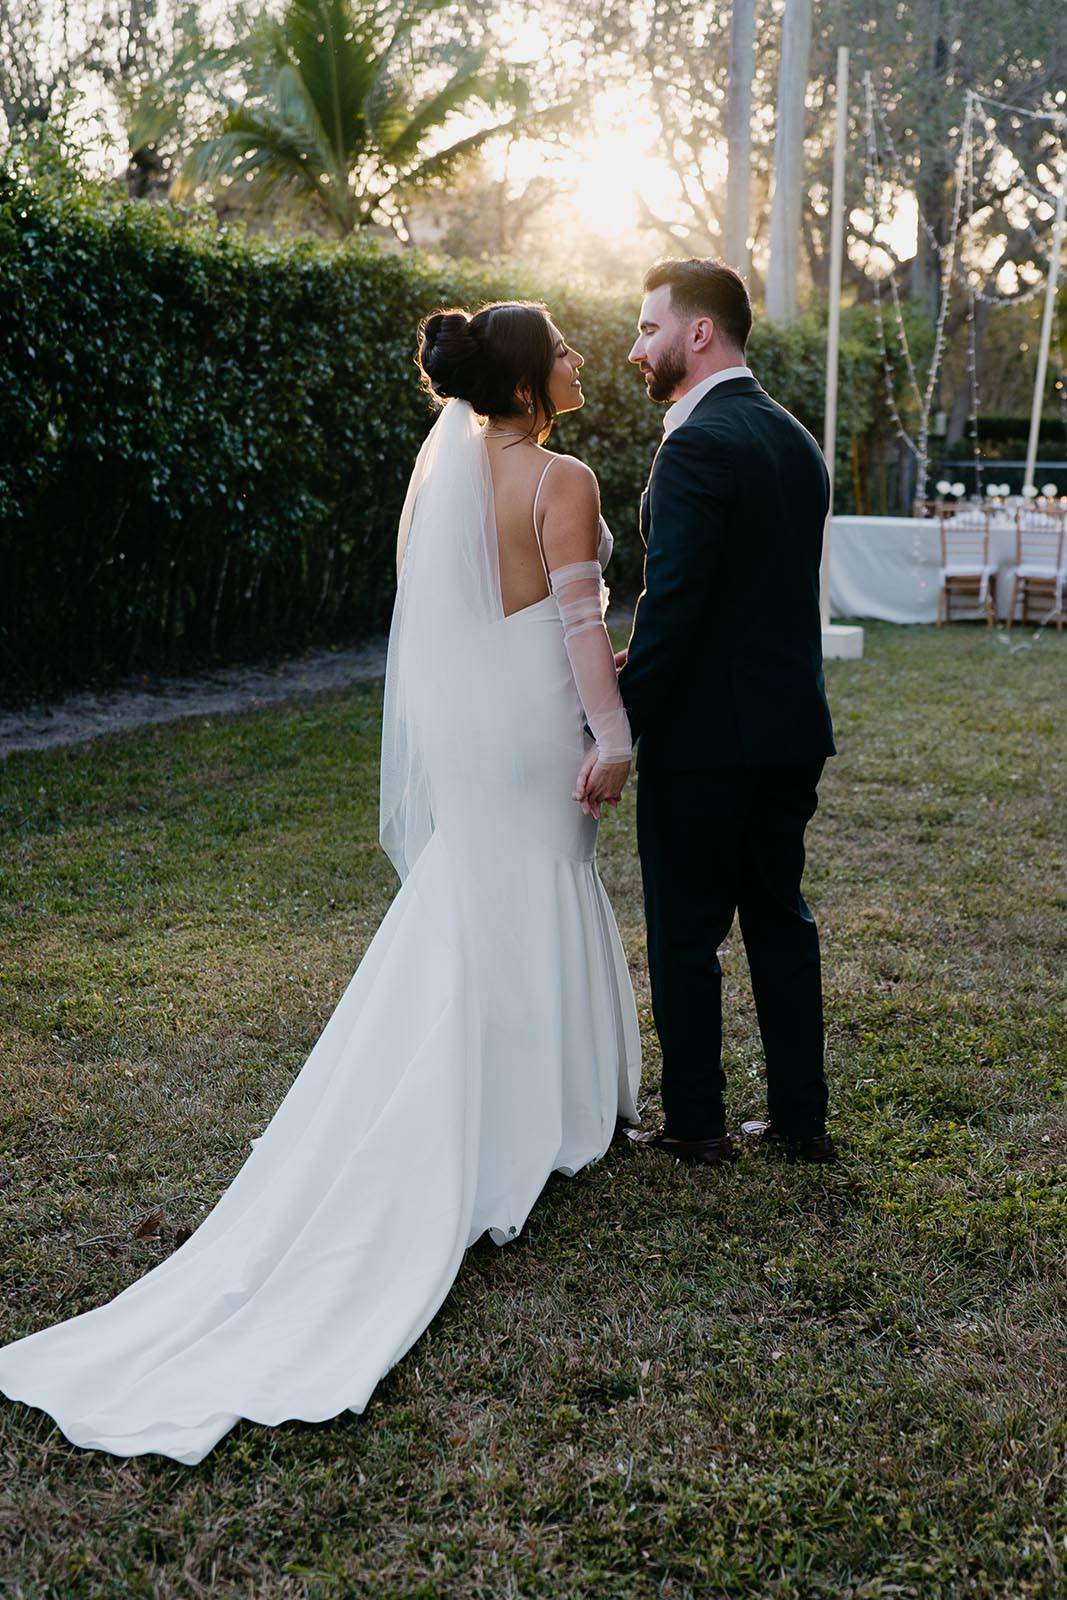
x=702 y=286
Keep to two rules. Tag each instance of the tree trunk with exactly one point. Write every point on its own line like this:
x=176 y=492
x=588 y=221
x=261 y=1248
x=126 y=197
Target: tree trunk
x=739 y=134
x=784 y=265
x=935 y=171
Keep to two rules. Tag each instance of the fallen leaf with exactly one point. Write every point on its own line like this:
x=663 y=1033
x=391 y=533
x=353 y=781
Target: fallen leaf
x=148 y=1227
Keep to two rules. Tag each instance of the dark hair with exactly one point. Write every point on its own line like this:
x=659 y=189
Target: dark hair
x=484 y=359
x=704 y=287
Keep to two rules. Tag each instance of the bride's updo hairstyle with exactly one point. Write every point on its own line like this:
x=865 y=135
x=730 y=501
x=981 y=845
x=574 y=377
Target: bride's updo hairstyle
x=486 y=358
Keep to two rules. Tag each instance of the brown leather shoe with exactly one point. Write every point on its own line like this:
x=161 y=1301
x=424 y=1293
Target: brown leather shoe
x=708 y=1152
x=797 y=1146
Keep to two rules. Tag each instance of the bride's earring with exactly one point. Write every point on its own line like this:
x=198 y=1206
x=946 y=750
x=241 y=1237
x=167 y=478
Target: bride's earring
x=531 y=408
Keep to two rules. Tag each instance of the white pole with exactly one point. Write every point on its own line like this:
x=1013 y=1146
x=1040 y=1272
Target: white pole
x=742 y=71
x=837 y=250
x=780 y=293
x=1046 y=337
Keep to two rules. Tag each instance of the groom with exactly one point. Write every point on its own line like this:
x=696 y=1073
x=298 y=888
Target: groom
x=723 y=684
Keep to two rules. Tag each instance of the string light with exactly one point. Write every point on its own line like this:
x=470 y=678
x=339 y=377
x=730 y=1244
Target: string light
x=887 y=369
x=1056 y=117
x=950 y=259
x=972 y=350
x=1061 y=377
x=898 y=174
x=946 y=295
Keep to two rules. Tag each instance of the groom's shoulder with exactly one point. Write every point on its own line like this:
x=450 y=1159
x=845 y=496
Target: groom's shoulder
x=786 y=418
x=698 y=437
x=698 y=450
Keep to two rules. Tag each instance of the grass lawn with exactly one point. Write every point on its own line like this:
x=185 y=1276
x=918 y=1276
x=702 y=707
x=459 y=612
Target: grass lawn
x=774 y=1381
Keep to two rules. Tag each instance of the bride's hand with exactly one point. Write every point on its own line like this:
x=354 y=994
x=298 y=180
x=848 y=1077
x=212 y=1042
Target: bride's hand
x=601 y=784
x=582 y=780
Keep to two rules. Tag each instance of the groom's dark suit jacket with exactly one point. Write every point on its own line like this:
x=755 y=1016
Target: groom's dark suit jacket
x=725 y=661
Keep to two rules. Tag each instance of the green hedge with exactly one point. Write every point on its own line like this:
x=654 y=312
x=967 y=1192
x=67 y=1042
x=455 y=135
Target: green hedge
x=206 y=439
x=1052 y=433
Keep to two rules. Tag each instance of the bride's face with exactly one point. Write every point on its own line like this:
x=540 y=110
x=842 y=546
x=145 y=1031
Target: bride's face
x=564 y=384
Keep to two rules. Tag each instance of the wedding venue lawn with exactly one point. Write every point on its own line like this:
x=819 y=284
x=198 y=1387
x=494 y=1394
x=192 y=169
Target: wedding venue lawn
x=775 y=1381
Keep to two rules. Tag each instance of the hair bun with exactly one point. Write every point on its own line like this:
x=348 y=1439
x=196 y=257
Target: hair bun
x=443 y=325
x=447 y=351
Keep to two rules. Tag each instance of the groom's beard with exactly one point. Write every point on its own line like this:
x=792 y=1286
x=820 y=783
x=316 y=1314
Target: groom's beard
x=668 y=372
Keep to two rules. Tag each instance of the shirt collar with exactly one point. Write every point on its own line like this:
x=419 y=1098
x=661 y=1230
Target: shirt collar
x=675 y=415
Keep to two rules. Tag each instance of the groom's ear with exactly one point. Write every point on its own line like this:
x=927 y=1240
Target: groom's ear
x=702 y=333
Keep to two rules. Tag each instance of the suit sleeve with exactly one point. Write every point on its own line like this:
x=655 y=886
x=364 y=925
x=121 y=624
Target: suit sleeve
x=690 y=492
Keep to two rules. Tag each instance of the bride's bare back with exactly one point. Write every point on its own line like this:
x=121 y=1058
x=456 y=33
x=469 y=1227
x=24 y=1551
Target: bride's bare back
x=568 y=516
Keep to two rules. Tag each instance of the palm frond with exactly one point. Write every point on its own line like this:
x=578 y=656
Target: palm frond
x=394 y=21
x=297 y=115
x=400 y=138
x=156 y=109
x=338 y=63
x=327 y=97
x=442 y=162
x=249 y=142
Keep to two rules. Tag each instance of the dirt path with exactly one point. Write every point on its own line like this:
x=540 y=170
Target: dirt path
x=134 y=705
x=85 y=715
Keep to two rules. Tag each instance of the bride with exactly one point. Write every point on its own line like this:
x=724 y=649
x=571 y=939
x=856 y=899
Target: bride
x=489 y=1035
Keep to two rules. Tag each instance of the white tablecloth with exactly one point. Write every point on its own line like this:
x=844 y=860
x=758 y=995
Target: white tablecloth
x=889 y=567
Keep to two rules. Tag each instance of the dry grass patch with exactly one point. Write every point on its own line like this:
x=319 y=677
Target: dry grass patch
x=778 y=1382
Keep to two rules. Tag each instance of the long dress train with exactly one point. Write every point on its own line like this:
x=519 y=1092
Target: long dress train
x=487 y=1039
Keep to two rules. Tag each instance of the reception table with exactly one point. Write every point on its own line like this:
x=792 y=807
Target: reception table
x=889 y=567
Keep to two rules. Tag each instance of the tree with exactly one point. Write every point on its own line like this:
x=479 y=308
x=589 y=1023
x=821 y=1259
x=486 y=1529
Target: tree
x=482 y=214
x=923 y=57
x=739 y=134
x=42 y=53
x=342 y=109
x=787 y=203
x=166 y=80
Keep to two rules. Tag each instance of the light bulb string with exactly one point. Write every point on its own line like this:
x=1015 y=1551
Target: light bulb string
x=947 y=260
x=1058 y=118
x=897 y=172
x=887 y=368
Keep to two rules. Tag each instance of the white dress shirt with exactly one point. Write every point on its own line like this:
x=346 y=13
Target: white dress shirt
x=675 y=415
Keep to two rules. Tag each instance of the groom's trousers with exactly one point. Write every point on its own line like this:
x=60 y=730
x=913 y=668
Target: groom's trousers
x=713 y=843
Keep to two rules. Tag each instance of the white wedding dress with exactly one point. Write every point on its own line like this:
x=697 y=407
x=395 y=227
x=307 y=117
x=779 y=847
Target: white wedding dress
x=487 y=1039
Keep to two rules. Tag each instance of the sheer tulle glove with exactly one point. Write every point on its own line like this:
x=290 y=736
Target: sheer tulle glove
x=579 y=591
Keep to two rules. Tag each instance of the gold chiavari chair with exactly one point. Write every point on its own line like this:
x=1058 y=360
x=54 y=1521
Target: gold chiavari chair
x=965 y=571
x=1039 y=572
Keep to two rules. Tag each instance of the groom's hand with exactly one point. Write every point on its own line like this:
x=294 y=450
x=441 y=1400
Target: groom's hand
x=620 y=659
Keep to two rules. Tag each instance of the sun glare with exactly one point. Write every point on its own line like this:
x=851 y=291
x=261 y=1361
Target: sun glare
x=607 y=172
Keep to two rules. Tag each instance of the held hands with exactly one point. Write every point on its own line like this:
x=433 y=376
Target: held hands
x=600 y=783
x=620 y=659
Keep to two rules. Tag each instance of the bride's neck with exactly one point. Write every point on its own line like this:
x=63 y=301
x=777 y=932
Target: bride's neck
x=518 y=428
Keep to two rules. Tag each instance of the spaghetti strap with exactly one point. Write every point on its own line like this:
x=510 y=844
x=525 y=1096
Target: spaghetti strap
x=537 y=534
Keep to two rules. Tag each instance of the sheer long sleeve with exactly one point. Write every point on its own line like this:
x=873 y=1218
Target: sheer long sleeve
x=580 y=595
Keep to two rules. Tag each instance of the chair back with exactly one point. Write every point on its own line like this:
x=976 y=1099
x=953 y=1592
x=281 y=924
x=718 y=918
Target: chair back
x=1039 y=539
x=965 y=538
